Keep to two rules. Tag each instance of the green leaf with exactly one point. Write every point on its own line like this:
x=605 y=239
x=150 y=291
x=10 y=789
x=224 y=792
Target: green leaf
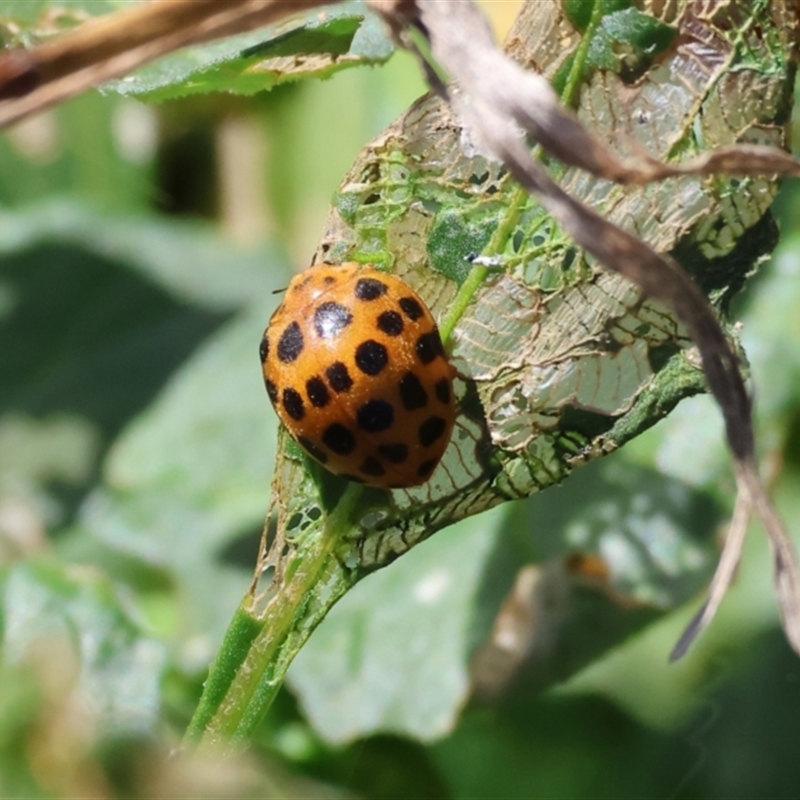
x=772 y=336
x=627 y=42
x=191 y=476
x=25 y=22
x=551 y=748
x=121 y=319
x=393 y=655
x=101 y=311
x=655 y=534
x=118 y=668
x=617 y=37
x=21 y=703
x=580 y=12
x=321 y=44
x=93 y=148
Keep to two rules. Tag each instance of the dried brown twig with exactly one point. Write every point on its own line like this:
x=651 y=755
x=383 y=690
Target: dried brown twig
x=116 y=44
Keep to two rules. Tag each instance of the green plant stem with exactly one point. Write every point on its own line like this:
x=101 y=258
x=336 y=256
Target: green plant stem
x=477 y=275
x=569 y=95
x=258 y=649
x=520 y=197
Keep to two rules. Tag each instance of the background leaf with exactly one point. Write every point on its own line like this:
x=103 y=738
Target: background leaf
x=118 y=669
x=314 y=45
x=393 y=656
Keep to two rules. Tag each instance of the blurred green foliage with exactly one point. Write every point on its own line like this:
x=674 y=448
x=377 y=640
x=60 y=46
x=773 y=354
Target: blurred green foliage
x=136 y=447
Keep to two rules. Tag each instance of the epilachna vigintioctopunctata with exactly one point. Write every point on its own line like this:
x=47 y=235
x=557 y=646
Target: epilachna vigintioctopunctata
x=357 y=373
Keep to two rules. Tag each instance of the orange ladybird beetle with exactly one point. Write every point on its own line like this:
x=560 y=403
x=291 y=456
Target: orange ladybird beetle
x=355 y=368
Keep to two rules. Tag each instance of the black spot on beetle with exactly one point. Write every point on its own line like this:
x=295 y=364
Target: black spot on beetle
x=369 y=289
x=339 y=439
x=272 y=391
x=338 y=377
x=371 y=357
x=412 y=393
x=391 y=323
x=429 y=346
x=263 y=349
x=293 y=404
x=431 y=430
x=314 y=451
x=394 y=453
x=331 y=318
x=426 y=467
x=442 y=389
x=290 y=345
x=317 y=392
x=373 y=467
x=375 y=416
x=411 y=307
